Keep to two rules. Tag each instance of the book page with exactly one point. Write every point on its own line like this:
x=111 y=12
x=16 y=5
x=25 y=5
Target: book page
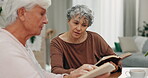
x=113 y=58
x=122 y=56
x=105 y=68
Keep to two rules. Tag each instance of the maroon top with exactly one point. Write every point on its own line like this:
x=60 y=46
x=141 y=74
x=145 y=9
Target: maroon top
x=66 y=57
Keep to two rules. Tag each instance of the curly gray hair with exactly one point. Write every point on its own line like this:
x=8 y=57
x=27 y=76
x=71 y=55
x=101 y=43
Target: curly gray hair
x=81 y=10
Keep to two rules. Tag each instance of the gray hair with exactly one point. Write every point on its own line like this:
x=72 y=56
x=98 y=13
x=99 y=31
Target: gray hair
x=81 y=10
x=10 y=7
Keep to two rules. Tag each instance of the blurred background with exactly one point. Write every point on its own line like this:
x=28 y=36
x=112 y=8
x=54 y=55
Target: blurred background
x=112 y=19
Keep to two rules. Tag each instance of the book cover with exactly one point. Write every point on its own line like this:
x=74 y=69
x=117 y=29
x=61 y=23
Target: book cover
x=104 y=66
x=114 y=58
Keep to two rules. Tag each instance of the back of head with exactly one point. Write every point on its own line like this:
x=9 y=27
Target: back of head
x=81 y=10
x=10 y=7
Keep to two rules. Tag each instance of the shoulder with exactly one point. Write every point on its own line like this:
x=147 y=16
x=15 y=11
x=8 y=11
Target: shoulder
x=58 y=38
x=9 y=50
x=57 y=41
x=94 y=35
x=4 y=40
x=4 y=36
x=8 y=45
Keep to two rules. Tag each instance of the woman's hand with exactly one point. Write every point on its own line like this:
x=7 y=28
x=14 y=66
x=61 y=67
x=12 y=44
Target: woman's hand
x=116 y=66
x=120 y=63
x=83 y=70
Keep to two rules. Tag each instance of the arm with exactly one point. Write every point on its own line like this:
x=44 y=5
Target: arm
x=105 y=50
x=84 y=69
x=56 y=55
x=14 y=63
x=101 y=76
x=108 y=51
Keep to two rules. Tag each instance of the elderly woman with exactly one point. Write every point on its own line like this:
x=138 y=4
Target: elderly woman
x=24 y=19
x=77 y=46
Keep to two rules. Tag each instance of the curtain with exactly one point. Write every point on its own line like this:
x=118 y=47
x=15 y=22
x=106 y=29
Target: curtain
x=143 y=13
x=130 y=17
x=108 y=18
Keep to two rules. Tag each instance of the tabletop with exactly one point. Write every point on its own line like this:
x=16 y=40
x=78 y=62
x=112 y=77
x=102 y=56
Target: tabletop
x=125 y=69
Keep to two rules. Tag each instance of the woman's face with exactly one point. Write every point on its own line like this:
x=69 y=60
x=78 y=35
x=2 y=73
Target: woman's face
x=35 y=20
x=78 y=26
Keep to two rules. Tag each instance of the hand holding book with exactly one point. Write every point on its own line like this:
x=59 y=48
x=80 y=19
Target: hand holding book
x=104 y=65
x=113 y=58
x=105 y=68
x=89 y=70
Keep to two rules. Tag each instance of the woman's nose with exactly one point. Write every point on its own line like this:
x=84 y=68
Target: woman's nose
x=79 y=27
x=45 y=21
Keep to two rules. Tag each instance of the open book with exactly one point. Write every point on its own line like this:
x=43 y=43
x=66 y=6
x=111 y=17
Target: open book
x=104 y=66
x=114 y=58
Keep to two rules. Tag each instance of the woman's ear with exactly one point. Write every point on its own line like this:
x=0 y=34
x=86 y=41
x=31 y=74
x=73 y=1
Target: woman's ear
x=68 y=22
x=21 y=13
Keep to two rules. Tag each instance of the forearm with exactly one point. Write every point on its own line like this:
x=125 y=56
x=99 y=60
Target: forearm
x=61 y=70
x=84 y=70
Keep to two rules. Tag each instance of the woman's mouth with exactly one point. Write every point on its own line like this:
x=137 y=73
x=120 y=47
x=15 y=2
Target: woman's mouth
x=76 y=33
x=41 y=27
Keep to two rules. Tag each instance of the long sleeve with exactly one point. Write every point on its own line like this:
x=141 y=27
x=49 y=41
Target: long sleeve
x=56 y=56
x=13 y=63
x=103 y=48
x=51 y=75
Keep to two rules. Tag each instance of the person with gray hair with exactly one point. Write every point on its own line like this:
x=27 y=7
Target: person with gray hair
x=78 y=46
x=24 y=19
x=81 y=10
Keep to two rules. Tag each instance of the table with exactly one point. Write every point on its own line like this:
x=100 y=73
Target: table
x=125 y=69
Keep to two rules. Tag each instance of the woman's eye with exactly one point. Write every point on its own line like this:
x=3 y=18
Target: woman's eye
x=84 y=25
x=42 y=14
x=76 y=23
